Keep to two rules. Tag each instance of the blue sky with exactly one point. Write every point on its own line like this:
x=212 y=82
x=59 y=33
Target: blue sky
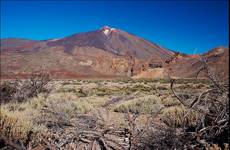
x=186 y=26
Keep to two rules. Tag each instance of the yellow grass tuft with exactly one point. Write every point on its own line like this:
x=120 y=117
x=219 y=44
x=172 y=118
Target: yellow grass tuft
x=178 y=116
x=146 y=104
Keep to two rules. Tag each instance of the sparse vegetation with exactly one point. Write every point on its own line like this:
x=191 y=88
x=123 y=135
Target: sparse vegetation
x=126 y=114
x=147 y=104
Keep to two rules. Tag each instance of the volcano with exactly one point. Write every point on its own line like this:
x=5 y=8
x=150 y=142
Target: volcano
x=106 y=52
x=114 y=41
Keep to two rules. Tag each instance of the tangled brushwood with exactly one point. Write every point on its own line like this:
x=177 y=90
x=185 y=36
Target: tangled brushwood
x=212 y=126
x=212 y=105
x=20 y=90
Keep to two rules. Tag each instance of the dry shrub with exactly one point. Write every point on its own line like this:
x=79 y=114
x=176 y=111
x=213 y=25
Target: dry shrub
x=178 y=116
x=212 y=105
x=16 y=130
x=161 y=137
x=21 y=90
x=7 y=90
x=152 y=135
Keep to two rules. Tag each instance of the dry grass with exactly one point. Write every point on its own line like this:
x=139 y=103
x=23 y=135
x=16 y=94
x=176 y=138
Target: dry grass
x=18 y=125
x=178 y=116
x=70 y=99
x=147 y=104
x=169 y=101
x=66 y=102
x=94 y=101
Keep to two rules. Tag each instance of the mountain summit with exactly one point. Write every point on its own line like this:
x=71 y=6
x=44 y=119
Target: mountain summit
x=107 y=30
x=114 y=41
x=106 y=52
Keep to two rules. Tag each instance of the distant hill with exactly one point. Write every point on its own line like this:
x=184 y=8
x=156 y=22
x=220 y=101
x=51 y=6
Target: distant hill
x=217 y=60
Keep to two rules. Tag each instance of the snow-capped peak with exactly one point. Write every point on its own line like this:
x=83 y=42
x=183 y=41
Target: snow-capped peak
x=107 y=30
x=52 y=40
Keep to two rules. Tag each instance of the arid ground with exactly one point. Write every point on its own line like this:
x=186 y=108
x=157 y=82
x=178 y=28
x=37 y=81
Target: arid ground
x=92 y=114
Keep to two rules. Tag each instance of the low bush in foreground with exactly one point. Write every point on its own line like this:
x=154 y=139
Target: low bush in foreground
x=21 y=90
